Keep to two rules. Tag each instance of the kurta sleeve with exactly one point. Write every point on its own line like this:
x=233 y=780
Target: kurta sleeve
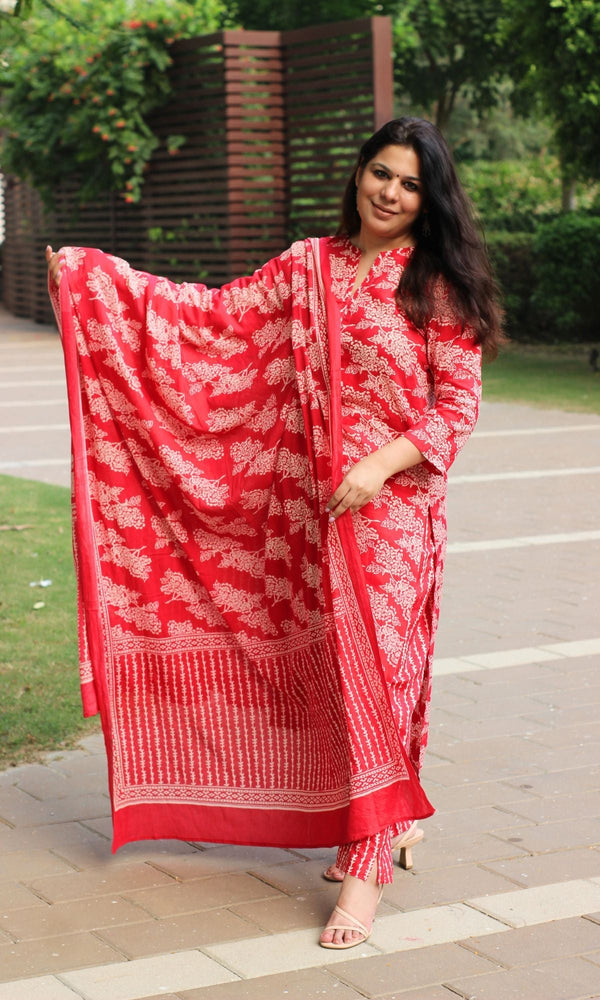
x=455 y=368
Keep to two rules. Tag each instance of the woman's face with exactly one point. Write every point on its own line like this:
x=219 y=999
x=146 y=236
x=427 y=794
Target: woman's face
x=389 y=197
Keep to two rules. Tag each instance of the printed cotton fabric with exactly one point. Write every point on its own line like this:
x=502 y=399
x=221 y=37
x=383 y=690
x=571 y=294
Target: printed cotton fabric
x=226 y=626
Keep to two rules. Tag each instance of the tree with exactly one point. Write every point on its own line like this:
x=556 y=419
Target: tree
x=263 y=15
x=79 y=85
x=447 y=47
x=554 y=62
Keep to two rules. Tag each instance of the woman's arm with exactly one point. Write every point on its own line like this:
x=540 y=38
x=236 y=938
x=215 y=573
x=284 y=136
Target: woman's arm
x=365 y=479
x=436 y=438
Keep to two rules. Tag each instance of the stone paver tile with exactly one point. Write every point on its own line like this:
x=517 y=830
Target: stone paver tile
x=446 y=885
x=384 y=974
x=103 y=826
x=31 y=864
x=569 y=698
x=20 y=809
x=540 y=903
x=541 y=869
x=553 y=715
x=307 y=984
x=295 y=950
x=287 y=913
x=511 y=657
x=221 y=859
x=565 y=737
x=296 y=878
x=67 y=918
x=527 y=679
x=53 y=954
x=429 y=926
x=474 y=795
x=43 y=782
x=488 y=728
x=538 y=943
x=430 y=993
x=14 y=896
x=178 y=933
x=504 y=768
x=568 y=782
x=99 y=882
x=196 y=895
x=481 y=712
x=563 y=979
x=133 y=980
x=97 y=853
x=464 y=751
x=168 y=996
x=442 y=852
x=562 y=807
x=40 y=988
x=557 y=759
x=47 y=837
x=478 y=819
x=571 y=832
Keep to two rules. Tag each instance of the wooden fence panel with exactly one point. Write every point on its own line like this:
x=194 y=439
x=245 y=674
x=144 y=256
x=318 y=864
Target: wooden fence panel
x=271 y=124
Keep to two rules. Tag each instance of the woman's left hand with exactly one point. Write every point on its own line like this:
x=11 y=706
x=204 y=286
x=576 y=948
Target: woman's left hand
x=361 y=484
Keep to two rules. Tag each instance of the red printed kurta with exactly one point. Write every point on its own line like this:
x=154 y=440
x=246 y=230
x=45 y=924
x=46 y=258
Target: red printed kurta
x=241 y=650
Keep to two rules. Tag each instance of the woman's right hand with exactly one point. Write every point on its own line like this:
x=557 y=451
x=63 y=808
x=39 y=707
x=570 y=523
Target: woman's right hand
x=55 y=263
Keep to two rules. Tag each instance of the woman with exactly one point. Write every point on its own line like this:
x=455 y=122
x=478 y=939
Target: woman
x=259 y=481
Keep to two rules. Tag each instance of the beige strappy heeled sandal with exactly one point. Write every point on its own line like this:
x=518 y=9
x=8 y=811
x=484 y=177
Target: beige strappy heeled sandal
x=355 y=925
x=405 y=843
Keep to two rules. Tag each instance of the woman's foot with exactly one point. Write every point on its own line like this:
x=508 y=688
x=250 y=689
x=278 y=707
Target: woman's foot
x=333 y=874
x=352 y=918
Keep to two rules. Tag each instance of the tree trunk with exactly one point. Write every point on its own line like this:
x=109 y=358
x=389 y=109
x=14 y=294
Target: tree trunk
x=568 y=193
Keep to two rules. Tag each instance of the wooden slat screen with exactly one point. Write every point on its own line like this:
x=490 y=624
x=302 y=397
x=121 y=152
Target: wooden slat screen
x=272 y=123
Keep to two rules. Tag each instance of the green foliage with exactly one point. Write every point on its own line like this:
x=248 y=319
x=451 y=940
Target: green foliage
x=548 y=278
x=79 y=88
x=553 y=46
x=265 y=15
x=445 y=47
x=512 y=259
x=566 y=267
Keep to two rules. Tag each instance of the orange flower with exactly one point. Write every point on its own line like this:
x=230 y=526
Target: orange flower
x=96 y=129
x=121 y=123
x=132 y=149
x=105 y=136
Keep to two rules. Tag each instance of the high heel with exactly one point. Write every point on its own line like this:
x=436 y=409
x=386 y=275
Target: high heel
x=405 y=843
x=355 y=925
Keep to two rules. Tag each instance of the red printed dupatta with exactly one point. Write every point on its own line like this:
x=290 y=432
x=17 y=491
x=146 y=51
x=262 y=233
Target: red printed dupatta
x=224 y=624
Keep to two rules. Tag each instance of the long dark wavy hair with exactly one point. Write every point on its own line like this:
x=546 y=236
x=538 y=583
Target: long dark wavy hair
x=448 y=243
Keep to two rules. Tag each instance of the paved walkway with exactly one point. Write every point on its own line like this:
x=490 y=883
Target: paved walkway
x=504 y=899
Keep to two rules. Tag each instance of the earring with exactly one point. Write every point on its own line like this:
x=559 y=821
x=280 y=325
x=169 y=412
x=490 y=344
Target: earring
x=426 y=228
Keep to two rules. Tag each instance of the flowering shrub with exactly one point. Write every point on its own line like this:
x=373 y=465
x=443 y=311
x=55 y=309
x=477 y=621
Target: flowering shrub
x=79 y=86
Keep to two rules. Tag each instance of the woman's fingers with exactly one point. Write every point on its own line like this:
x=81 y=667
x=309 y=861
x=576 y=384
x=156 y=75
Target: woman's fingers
x=54 y=261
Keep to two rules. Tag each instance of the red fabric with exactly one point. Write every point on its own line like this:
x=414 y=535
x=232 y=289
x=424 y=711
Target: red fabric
x=227 y=631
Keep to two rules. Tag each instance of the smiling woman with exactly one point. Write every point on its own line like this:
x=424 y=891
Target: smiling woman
x=259 y=479
x=389 y=198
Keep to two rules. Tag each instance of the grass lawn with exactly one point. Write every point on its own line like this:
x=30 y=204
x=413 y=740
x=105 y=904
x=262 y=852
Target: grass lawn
x=552 y=376
x=39 y=678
